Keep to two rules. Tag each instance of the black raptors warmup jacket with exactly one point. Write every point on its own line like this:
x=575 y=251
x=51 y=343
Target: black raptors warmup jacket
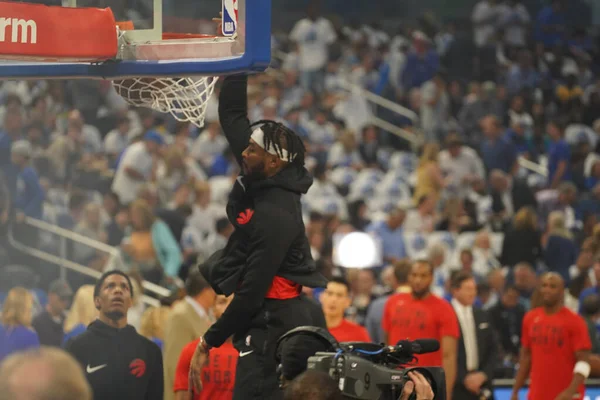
x=119 y=364
x=269 y=240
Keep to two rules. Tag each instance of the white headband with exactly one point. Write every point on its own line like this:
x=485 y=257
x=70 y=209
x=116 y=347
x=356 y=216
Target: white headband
x=259 y=137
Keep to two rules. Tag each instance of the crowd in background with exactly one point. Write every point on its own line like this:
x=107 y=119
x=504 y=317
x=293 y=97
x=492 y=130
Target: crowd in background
x=509 y=86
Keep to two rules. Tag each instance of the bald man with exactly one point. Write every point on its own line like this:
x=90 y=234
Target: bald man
x=555 y=347
x=43 y=374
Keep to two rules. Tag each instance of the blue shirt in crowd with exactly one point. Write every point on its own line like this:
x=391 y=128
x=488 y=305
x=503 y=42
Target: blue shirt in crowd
x=500 y=154
x=17 y=338
x=557 y=152
x=548 y=18
x=29 y=196
x=419 y=69
x=392 y=240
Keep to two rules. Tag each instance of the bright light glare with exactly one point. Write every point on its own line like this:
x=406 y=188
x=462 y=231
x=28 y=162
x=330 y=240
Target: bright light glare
x=358 y=250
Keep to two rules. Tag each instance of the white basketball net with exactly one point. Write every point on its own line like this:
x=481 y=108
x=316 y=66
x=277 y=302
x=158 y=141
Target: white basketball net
x=184 y=98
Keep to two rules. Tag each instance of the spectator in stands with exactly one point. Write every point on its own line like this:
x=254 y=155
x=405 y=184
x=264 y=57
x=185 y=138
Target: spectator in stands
x=460 y=164
x=550 y=25
x=151 y=247
x=205 y=212
x=562 y=199
x=16 y=332
x=522 y=240
x=117 y=140
x=189 y=320
x=559 y=155
x=82 y=313
x=477 y=346
x=56 y=375
x=522 y=75
x=422 y=218
x=421 y=314
x=12 y=131
x=119 y=362
x=560 y=252
x=313 y=36
x=116 y=227
x=590 y=311
x=435 y=111
x=218 y=376
x=153 y=324
x=525 y=281
x=390 y=232
x=90 y=226
x=430 y=181
x=496 y=151
x=29 y=195
x=485 y=20
x=49 y=324
x=136 y=166
x=335 y=300
x=484 y=103
x=401 y=269
x=422 y=62
x=210 y=144
x=344 y=153
x=507 y=318
x=513 y=21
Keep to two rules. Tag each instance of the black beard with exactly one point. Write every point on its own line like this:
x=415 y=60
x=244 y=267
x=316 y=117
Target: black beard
x=115 y=315
x=421 y=294
x=256 y=173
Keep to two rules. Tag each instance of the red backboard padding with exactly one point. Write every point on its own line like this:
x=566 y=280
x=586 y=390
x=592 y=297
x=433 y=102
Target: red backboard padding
x=49 y=33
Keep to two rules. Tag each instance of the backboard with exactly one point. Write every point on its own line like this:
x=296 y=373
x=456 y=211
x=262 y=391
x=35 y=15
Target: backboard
x=155 y=38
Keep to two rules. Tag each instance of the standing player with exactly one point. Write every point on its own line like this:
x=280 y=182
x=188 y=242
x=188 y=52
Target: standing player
x=119 y=363
x=555 y=347
x=335 y=300
x=218 y=375
x=421 y=315
x=267 y=258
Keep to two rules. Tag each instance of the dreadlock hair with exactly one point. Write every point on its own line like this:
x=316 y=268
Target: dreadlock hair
x=282 y=137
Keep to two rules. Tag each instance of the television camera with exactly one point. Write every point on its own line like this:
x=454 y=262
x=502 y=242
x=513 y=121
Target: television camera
x=372 y=371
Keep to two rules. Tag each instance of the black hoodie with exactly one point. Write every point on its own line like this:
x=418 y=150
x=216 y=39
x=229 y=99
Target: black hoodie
x=269 y=238
x=119 y=364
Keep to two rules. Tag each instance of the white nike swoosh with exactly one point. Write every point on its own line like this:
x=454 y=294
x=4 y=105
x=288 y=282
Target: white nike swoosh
x=91 y=370
x=245 y=353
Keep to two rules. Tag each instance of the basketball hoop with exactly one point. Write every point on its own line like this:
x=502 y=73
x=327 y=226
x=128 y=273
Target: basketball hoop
x=185 y=99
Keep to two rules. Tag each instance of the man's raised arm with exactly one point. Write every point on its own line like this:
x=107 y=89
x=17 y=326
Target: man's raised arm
x=233 y=113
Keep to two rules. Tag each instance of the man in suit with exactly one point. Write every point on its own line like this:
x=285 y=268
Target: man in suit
x=189 y=320
x=477 y=346
x=509 y=194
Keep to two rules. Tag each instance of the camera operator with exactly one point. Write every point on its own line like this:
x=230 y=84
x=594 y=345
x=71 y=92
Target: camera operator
x=317 y=385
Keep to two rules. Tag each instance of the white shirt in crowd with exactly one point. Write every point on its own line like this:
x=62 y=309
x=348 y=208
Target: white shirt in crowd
x=434 y=116
x=514 y=21
x=115 y=142
x=469 y=333
x=415 y=222
x=205 y=148
x=203 y=220
x=485 y=16
x=466 y=164
x=313 y=38
x=339 y=157
x=138 y=158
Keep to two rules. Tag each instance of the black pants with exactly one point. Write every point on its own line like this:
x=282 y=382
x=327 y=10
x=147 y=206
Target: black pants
x=256 y=372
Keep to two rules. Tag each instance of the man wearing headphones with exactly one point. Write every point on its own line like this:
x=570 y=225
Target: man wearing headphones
x=119 y=363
